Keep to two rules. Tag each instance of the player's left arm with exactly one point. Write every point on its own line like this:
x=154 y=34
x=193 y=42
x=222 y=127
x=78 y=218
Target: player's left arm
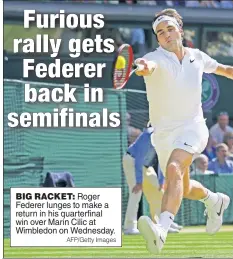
x=224 y=70
x=212 y=66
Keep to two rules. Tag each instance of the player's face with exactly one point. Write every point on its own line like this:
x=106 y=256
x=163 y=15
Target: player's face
x=169 y=36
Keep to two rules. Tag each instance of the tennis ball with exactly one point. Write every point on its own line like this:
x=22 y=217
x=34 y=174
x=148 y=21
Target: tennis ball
x=121 y=62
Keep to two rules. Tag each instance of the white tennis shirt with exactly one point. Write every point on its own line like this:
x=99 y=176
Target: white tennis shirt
x=174 y=89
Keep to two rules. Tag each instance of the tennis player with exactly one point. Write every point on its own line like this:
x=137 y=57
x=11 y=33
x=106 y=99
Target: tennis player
x=174 y=87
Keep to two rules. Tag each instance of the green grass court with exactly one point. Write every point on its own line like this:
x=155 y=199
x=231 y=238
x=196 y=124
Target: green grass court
x=191 y=242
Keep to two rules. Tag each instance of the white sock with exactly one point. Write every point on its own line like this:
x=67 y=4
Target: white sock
x=211 y=199
x=165 y=220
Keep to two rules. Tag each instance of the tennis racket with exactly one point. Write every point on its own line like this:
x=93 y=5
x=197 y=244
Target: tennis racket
x=123 y=66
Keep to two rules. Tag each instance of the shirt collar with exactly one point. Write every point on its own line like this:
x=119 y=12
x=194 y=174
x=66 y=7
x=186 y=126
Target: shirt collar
x=173 y=55
x=166 y=52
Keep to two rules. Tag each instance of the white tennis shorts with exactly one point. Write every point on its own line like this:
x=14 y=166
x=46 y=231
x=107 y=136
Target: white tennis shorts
x=193 y=138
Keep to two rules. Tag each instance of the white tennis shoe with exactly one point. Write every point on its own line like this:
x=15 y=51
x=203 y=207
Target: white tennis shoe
x=176 y=226
x=215 y=214
x=154 y=235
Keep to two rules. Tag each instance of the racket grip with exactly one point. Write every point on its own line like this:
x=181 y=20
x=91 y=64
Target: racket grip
x=138 y=67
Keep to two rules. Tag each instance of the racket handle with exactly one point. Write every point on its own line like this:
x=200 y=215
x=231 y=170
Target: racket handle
x=138 y=67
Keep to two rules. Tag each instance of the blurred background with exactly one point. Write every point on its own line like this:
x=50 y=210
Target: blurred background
x=93 y=157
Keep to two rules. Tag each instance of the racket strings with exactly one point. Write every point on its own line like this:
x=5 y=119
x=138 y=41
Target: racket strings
x=120 y=74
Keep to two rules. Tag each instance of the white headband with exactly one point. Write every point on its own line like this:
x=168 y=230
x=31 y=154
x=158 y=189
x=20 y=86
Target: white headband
x=164 y=18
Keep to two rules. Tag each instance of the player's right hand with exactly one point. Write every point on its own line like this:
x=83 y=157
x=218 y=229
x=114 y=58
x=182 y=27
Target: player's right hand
x=145 y=71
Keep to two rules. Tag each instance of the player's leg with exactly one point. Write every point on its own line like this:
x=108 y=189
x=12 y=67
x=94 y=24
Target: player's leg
x=193 y=190
x=178 y=185
x=187 y=142
x=130 y=223
x=216 y=203
x=174 y=164
x=183 y=142
x=178 y=162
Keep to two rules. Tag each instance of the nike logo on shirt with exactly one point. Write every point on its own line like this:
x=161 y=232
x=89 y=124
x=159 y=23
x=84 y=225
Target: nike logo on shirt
x=187 y=144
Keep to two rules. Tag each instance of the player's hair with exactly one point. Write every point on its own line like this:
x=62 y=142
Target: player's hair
x=172 y=13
